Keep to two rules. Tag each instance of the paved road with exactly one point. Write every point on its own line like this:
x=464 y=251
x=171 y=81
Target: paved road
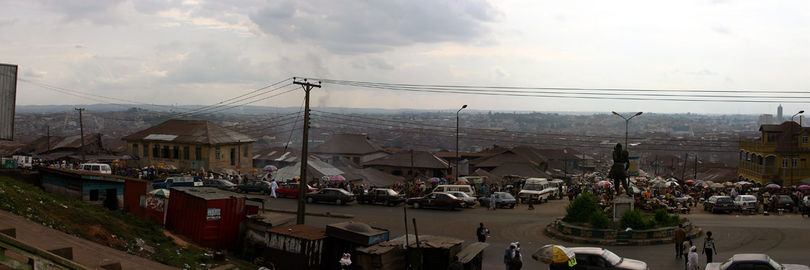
x=786 y=238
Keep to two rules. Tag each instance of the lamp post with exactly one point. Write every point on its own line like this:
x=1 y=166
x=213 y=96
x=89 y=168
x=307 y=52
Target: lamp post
x=626 y=124
x=457 y=158
x=793 y=166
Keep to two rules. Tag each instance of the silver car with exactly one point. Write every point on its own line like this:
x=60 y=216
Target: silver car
x=469 y=201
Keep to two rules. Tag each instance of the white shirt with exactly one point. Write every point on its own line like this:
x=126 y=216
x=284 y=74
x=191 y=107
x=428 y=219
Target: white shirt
x=693 y=262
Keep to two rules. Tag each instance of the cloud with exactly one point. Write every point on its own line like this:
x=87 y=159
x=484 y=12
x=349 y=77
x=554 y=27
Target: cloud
x=31 y=73
x=353 y=27
x=97 y=12
x=151 y=7
x=210 y=63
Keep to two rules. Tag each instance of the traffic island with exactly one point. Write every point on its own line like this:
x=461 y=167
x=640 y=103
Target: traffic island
x=567 y=232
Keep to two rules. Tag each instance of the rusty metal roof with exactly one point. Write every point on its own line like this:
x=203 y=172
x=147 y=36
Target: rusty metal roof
x=300 y=231
x=352 y=144
x=190 y=132
x=416 y=159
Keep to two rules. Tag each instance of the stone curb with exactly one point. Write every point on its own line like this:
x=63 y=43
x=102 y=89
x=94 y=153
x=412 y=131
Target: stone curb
x=319 y=214
x=553 y=233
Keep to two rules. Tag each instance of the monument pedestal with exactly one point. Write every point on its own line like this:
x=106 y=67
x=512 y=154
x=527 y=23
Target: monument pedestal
x=621 y=204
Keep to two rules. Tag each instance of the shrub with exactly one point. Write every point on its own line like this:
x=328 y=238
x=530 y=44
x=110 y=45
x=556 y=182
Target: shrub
x=599 y=220
x=662 y=218
x=581 y=209
x=635 y=219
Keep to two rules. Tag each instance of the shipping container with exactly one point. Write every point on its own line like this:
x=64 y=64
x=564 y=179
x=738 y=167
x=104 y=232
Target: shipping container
x=208 y=216
x=295 y=247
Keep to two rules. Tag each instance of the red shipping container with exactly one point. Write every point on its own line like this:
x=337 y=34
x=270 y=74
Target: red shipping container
x=207 y=216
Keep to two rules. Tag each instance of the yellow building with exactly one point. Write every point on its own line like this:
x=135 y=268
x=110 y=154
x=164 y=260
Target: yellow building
x=779 y=155
x=191 y=145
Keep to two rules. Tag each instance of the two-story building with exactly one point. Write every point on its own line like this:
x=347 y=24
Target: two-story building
x=779 y=155
x=191 y=145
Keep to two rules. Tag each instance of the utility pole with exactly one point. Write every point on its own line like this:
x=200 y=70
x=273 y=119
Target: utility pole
x=683 y=168
x=696 y=161
x=302 y=185
x=81 y=130
x=48 y=135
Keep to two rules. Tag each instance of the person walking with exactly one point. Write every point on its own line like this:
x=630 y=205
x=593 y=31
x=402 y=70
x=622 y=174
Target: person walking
x=693 y=263
x=482 y=233
x=708 y=247
x=492 y=201
x=517 y=261
x=678 y=238
x=509 y=254
x=273 y=187
x=687 y=246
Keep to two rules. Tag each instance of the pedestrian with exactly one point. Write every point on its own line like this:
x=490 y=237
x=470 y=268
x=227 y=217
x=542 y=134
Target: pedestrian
x=456 y=264
x=708 y=247
x=678 y=238
x=482 y=233
x=693 y=263
x=517 y=261
x=273 y=187
x=492 y=201
x=687 y=246
x=345 y=261
x=509 y=254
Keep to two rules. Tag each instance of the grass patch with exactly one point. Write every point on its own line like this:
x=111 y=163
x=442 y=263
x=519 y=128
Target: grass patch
x=116 y=229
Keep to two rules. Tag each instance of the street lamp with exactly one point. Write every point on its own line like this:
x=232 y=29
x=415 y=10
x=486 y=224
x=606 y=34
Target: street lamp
x=793 y=147
x=457 y=158
x=626 y=124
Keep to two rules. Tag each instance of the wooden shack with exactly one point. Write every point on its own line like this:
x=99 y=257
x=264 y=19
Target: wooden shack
x=436 y=251
x=295 y=247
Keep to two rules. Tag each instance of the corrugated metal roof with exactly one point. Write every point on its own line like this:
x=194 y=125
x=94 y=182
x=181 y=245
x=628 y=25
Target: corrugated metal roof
x=317 y=167
x=8 y=100
x=300 y=231
x=189 y=131
x=419 y=159
x=353 y=144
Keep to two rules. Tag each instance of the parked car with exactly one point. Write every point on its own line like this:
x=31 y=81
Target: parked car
x=753 y=261
x=502 y=200
x=594 y=258
x=536 y=190
x=556 y=184
x=384 y=196
x=290 y=190
x=255 y=186
x=746 y=203
x=96 y=168
x=334 y=195
x=436 y=200
x=785 y=202
x=719 y=204
x=220 y=184
x=177 y=181
x=469 y=201
x=463 y=188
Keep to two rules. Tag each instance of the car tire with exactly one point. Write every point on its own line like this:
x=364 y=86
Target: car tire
x=416 y=205
x=511 y=206
x=339 y=201
x=310 y=200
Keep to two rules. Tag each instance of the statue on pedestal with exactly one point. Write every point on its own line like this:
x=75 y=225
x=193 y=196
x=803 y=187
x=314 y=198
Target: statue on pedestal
x=618 y=172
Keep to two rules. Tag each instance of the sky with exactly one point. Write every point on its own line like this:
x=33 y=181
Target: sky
x=204 y=52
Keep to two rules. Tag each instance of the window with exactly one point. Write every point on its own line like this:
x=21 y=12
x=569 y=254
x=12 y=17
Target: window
x=198 y=153
x=176 y=152
x=244 y=151
x=134 y=149
x=165 y=152
x=156 y=151
x=216 y=153
x=784 y=162
x=233 y=156
x=794 y=163
x=804 y=139
x=186 y=154
x=146 y=150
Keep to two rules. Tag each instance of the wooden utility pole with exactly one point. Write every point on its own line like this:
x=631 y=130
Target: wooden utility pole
x=48 y=135
x=302 y=184
x=81 y=130
x=696 y=161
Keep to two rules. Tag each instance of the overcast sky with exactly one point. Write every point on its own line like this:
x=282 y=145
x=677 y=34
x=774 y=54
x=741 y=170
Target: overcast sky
x=203 y=52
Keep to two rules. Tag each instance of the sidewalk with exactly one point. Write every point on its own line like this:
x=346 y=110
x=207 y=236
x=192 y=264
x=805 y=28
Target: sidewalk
x=86 y=253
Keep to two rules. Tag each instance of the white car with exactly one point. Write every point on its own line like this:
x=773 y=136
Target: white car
x=753 y=261
x=745 y=202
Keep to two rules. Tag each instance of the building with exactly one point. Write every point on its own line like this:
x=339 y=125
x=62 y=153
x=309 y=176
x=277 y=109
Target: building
x=779 y=118
x=414 y=163
x=765 y=119
x=779 y=155
x=357 y=147
x=191 y=145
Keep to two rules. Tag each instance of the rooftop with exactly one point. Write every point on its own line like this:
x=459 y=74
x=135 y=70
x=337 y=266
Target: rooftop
x=189 y=131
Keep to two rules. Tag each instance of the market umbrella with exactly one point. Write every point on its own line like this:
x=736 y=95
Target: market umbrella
x=270 y=168
x=742 y=183
x=554 y=254
x=434 y=180
x=716 y=185
x=162 y=192
x=773 y=186
x=690 y=182
x=728 y=184
x=803 y=187
x=603 y=183
x=337 y=178
x=671 y=183
x=125 y=157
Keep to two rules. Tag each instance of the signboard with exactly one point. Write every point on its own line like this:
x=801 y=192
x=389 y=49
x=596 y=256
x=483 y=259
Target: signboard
x=213 y=214
x=153 y=203
x=8 y=100
x=633 y=171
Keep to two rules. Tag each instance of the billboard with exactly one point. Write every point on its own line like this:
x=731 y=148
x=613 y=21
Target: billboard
x=634 y=163
x=8 y=99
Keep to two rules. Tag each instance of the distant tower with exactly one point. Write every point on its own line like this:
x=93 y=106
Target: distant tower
x=779 y=118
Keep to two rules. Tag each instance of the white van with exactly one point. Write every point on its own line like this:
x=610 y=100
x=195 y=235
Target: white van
x=96 y=168
x=535 y=190
x=556 y=184
x=463 y=188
